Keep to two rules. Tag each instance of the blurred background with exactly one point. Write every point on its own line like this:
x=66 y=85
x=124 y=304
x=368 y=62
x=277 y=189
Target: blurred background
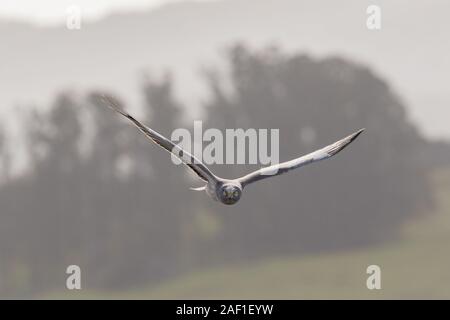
x=79 y=186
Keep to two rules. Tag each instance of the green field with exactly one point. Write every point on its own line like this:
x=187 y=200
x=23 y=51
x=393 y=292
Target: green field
x=417 y=265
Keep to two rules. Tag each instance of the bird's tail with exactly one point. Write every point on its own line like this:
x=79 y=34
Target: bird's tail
x=199 y=188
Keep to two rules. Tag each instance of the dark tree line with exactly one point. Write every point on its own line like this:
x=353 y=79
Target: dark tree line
x=100 y=196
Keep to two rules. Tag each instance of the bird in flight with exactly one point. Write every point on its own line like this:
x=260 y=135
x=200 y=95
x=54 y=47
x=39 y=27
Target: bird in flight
x=229 y=191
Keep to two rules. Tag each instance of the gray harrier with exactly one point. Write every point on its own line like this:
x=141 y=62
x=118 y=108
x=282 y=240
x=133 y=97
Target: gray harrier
x=229 y=191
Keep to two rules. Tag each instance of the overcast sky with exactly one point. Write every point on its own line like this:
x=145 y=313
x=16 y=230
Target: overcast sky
x=49 y=12
x=411 y=51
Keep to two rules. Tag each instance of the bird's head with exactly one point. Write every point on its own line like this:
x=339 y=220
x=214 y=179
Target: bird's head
x=230 y=193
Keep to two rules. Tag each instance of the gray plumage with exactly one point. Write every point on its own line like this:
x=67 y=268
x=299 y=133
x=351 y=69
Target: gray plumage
x=229 y=191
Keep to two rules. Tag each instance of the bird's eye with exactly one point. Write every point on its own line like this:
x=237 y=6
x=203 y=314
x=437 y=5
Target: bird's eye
x=235 y=193
x=224 y=192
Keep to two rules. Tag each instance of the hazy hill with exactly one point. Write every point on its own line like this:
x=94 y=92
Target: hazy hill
x=411 y=49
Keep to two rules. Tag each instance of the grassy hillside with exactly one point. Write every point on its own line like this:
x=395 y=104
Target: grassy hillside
x=415 y=266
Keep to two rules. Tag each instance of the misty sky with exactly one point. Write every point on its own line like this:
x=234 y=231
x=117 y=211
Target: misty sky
x=410 y=52
x=54 y=11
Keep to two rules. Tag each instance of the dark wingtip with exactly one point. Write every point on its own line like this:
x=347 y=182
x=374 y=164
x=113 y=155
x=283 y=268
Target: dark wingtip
x=341 y=144
x=112 y=103
x=356 y=134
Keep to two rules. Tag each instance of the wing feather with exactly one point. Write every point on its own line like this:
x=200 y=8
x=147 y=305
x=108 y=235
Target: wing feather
x=284 y=167
x=188 y=159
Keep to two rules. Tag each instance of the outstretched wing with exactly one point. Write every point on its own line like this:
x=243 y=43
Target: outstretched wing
x=284 y=167
x=188 y=159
